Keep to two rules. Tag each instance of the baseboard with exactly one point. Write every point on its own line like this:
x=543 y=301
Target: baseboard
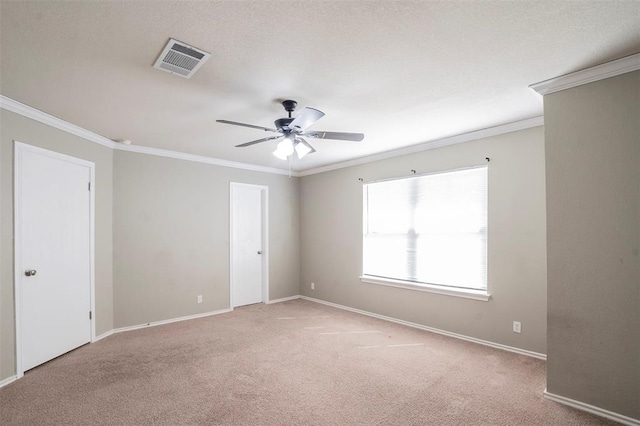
x=431 y=329
x=169 y=321
x=591 y=409
x=284 y=299
x=8 y=381
x=136 y=327
x=102 y=336
x=382 y=317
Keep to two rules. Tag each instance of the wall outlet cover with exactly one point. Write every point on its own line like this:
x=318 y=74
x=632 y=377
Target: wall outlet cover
x=517 y=327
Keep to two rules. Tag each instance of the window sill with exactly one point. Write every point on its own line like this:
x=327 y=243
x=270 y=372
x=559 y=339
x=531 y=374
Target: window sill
x=430 y=288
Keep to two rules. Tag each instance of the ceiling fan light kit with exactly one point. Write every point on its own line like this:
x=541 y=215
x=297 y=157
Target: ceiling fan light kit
x=292 y=130
x=284 y=149
x=303 y=149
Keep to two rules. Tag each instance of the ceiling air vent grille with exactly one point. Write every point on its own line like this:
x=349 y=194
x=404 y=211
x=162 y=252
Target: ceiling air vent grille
x=181 y=59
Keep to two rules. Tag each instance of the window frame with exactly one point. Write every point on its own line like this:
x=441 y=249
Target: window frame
x=468 y=293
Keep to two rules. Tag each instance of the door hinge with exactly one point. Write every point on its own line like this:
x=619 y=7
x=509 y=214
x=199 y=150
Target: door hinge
x=89 y=186
x=89 y=314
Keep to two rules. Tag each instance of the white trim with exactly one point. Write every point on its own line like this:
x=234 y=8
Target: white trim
x=284 y=299
x=19 y=148
x=8 y=381
x=264 y=193
x=265 y=244
x=42 y=117
x=591 y=409
x=17 y=261
x=201 y=159
x=30 y=112
x=92 y=247
x=102 y=336
x=169 y=321
x=589 y=75
x=230 y=245
x=431 y=329
x=430 y=288
x=35 y=114
x=131 y=328
x=437 y=143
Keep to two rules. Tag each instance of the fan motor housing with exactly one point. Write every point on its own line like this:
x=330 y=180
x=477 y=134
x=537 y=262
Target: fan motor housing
x=283 y=123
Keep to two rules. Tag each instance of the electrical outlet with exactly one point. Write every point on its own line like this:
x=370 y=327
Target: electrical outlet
x=313 y=286
x=200 y=298
x=517 y=327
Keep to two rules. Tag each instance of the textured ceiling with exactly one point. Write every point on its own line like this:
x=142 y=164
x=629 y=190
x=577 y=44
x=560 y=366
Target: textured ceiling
x=402 y=72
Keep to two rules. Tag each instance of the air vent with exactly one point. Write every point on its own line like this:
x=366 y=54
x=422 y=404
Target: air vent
x=181 y=59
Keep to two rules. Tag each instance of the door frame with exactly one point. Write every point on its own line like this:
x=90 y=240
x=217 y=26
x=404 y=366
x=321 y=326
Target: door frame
x=264 y=192
x=19 y=148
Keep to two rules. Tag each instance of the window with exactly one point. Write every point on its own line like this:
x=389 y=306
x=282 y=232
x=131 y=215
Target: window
x=428 y=232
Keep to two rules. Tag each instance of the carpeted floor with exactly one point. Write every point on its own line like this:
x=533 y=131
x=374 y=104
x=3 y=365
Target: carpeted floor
x=292 y=363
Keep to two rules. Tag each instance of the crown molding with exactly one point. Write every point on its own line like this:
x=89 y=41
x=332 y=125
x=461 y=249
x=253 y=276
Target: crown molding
x=202 y=159
x=42 y=117
x=589 y=75
x=438 y=143
x=37 y=115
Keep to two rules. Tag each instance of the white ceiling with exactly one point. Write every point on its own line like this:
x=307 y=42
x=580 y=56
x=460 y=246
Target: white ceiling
x=401 y=72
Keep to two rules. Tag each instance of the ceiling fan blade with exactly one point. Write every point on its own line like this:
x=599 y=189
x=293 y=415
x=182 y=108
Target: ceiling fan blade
x=235 y=123
x=306 y=118
x=242 y=145
x=340 y=136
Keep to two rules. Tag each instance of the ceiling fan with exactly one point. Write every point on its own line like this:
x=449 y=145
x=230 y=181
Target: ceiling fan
x=292 y=129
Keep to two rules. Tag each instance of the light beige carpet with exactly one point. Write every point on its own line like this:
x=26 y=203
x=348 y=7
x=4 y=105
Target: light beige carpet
x=292 y=363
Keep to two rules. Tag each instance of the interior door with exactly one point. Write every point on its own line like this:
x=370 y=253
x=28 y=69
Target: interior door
x=53 y=253
x=247 y=249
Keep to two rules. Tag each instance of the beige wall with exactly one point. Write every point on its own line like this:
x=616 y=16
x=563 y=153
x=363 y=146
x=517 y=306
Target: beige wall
x=171 y=236
x=17 y=127
x=162 y=232
x=331 y=234
x=592 y=135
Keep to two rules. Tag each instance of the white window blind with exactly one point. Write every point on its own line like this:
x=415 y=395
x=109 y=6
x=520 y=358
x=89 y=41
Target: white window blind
x=429 y=229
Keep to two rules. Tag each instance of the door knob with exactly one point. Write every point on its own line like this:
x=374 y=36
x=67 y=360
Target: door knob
x=30 y=272
x=260 y=252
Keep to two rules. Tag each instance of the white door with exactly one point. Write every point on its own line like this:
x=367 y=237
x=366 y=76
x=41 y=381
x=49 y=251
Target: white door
x=53 y=254
x=248 y=257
